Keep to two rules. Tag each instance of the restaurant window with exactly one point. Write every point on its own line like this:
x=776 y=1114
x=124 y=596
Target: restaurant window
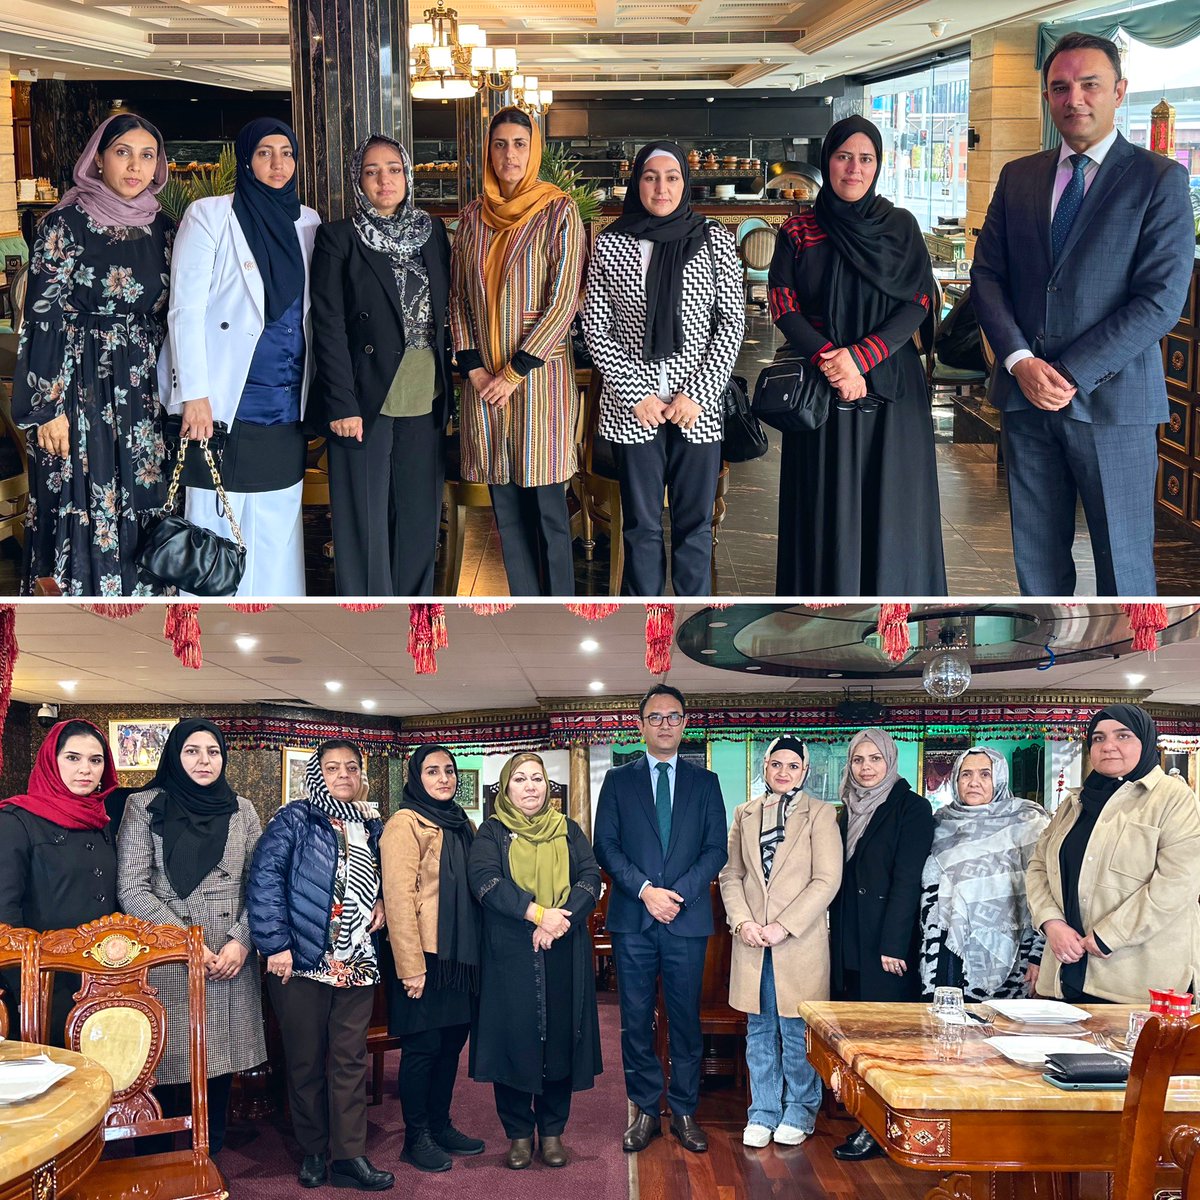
x=923 y=119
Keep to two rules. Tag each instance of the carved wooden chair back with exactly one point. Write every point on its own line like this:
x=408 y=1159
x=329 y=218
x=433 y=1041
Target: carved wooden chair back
x=1165 y=1049
x=16 y=959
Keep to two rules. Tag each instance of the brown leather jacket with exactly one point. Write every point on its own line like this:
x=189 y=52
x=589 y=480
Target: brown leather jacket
x=411 y=854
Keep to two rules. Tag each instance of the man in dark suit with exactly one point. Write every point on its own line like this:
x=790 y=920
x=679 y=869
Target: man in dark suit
x=661 y=834
x=1081 y=268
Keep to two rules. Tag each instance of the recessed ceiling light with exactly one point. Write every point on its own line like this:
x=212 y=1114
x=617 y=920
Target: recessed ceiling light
x=40 y=47
x=597 y=685
x=754 y=668
x=1134 y=680
x=834 y=675
x=709 y=650
x=245 y=644
x=68 y=685
x=333 y=685
x=718 y=624
x=368 y=704
x=195 y=99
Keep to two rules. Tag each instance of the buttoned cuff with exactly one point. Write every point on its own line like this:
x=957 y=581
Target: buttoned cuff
x=1015 y=357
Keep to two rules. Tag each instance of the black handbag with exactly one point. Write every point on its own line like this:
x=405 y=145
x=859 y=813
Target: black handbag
x=792 y=396
x=195 y=474
x=177 y=553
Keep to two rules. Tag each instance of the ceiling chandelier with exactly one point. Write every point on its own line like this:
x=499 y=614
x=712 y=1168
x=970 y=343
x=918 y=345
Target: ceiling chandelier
x=948 y=674
x=449 y=61
x=528 y=97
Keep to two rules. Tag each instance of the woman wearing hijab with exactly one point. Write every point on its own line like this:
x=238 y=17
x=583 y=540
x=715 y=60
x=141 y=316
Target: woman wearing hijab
x=1114 y=878
x=237 y=355
x=58 y=861
x=874 y=931
x=314 y=901
x=380 y=285
x=434 y=932
x=976 y=930
x=537 y=1037
x=664 y=319
x=84 y=385
x=515 y=278
x=849 y=285
x=783 y=871
x=183 y=857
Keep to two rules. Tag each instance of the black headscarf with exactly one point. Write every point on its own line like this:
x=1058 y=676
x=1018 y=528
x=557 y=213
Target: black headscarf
x=677 y=239
x=268 y=218
x=192 y=819
x=458 y=918
x=1097 y=788
x=881 y=257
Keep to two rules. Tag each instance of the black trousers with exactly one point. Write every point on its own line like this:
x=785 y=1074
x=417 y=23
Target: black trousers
x=688 y=472
x=535 y=538
x=428 y=1068
x=521 y=1112
x=385 y=498
x=175 y=1100
x=325 y=1037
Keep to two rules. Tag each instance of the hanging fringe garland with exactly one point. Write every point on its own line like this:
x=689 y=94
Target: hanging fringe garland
x=893 y=630
x=660 y=633
x=592 y=612
x=720 y=604
x=437 y=623
x=8 y=658
x=115 y=612
x=424 y=636
x=361 y=607
x=1146 y=621
x=490 y=610
x=182 y=629
x=251 y=607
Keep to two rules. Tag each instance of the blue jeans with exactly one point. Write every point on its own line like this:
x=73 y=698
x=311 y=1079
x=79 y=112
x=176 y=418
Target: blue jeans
x=785 y=1088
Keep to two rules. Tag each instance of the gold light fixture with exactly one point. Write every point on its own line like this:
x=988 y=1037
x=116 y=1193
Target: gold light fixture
x=449 y=61
x=528 y=97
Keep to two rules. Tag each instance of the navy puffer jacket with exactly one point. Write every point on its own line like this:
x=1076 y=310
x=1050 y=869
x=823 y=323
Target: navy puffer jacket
x=289 y=898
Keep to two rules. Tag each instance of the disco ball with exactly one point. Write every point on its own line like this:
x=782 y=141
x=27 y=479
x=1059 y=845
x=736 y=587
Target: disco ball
x=946 y=676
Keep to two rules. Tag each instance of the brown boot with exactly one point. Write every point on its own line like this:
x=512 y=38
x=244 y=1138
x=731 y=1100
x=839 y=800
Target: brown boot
x=552 y=1151
x=520 y=1154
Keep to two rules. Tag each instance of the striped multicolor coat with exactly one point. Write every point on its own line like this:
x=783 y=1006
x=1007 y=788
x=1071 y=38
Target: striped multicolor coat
x=530 y=441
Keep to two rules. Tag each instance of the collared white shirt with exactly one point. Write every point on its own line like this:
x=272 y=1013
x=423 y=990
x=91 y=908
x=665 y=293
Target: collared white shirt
x=672 y=764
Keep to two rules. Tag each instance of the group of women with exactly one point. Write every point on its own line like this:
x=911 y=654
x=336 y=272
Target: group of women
x=255 y=326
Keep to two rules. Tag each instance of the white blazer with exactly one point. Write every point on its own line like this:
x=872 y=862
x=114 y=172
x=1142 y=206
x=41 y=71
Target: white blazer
x=217 y=310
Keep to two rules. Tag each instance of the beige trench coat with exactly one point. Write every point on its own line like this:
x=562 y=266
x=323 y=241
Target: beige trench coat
x=805 y=877
x=1139 y=889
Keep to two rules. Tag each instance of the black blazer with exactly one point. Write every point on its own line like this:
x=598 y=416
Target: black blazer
x=877 y=907
x=358 y=327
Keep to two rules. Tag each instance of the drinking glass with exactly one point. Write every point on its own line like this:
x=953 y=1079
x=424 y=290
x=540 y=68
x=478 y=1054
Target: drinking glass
x=948 y=1005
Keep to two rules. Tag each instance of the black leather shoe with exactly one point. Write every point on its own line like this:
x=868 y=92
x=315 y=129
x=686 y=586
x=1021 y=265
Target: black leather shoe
x=312 y=1171
x=859 y=1145
x=359 y=1173
x=689 y=1133
x=639 y=1135
x=454 y=1141
x=422 y=1152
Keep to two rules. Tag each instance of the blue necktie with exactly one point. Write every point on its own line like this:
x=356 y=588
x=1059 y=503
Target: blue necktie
x=662 y=803
x=1069 y=204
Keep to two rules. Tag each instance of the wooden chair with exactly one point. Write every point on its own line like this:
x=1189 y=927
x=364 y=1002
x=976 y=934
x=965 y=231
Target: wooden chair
x=16 y=951
x=379 y=1040
x=602 y=945
x=119 y=1022
x=14 y=483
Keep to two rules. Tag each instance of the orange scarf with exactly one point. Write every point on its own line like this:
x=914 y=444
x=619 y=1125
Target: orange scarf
x=506 y=217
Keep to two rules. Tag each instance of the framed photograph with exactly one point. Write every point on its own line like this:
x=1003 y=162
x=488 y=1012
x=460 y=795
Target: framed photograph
x=138 y=745
x=295 y=760
x=468 y=794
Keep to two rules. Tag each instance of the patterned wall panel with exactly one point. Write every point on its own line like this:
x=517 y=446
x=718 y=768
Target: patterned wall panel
x=1178 y=488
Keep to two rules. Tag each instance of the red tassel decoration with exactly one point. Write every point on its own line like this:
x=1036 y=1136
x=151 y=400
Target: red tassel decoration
x=1146 y=621
x=437 y=625
x=490 y=610
x=116 y=612
x=421 y=638
x=893 y=630
x=660 y=633
x=361 y=607
x=252 y=607
x=592 y=612
x=182 y=628
x=720 y=604
x=8 y=658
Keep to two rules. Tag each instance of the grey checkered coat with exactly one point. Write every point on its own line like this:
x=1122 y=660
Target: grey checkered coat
x=614 y=319
x=234 y=1025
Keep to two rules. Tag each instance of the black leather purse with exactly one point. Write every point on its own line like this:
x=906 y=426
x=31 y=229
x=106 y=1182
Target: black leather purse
x=176 y=553
x=792 y=396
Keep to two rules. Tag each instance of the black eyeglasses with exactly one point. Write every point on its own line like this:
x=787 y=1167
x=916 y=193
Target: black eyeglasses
x=868 y=404
x=672 y=719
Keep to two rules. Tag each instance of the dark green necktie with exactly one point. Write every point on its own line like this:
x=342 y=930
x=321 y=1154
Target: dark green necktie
x=662 y=803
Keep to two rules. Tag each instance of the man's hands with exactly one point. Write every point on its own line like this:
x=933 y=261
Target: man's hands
x=662 y=904
x=1042 y=385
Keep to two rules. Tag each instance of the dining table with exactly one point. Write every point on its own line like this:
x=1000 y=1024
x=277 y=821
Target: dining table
x=938 y=1097
x=50 y=1142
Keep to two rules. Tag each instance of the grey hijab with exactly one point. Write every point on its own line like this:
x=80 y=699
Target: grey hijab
x=861 y=802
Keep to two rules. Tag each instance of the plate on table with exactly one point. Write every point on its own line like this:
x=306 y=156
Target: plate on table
x=1038 y=1012
x=27 y=1078
x=1033 y=1051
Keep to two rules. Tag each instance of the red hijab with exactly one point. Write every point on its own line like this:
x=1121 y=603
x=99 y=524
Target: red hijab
x=50 y=798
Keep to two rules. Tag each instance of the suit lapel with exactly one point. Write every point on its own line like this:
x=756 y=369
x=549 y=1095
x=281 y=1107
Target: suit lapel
x=791 y=835
x=382 y=268
x=1109 y=173
x=645 y=788
x=751 y=843
x=1044 y=195
x=251 y=275
x=438 y=283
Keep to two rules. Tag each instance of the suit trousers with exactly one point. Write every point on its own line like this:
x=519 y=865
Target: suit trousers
x=535 y=538
x=385 y=497
x=325 y=1039
x=641 y=959
x=1053 y=461
x=688 y=472
x=521 y=1112
x=428 y=1068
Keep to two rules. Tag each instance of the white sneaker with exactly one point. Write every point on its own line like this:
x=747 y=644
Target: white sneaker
x=757 y=1136
x=789 y=1135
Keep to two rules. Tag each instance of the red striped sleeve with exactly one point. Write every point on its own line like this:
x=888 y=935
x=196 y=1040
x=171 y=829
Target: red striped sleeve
x=782 y=300
x=817 y=357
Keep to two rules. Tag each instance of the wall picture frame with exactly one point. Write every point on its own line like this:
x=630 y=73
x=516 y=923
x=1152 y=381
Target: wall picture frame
x=137 y=743
x=295 y=759
x=468 y=796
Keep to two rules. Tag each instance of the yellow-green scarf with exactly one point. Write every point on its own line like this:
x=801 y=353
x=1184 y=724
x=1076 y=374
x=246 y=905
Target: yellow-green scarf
x=538 y=855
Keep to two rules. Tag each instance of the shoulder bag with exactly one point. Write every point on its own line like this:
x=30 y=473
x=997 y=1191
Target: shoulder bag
x=177 y=553
x=792 y=396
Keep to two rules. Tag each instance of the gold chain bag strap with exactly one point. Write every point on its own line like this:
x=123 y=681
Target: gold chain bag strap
x=178 y=553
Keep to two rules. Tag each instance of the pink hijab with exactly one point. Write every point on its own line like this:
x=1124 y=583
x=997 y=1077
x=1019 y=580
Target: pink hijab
x=99 y=201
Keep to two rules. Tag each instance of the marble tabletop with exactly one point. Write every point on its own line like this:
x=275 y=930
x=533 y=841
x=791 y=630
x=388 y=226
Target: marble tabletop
x=914 y=1062
x=34 y=1131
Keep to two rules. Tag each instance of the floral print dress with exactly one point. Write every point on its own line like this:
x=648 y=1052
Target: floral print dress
x=94 y=324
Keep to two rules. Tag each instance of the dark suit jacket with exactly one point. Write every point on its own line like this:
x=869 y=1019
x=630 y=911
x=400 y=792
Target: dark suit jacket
x=627 y=845
x=358 y=326
x=877 y=907
x=1118 y=286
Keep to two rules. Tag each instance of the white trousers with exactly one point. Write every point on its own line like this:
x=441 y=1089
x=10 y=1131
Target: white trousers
x=272 y=525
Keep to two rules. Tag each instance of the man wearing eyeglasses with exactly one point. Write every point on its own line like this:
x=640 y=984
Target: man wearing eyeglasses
x=660 y=833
